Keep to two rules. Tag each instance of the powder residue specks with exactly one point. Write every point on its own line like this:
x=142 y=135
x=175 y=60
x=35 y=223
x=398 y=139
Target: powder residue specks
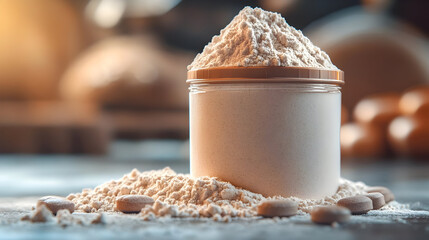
x=180 y=195
x=41 y=214
x=261 y=38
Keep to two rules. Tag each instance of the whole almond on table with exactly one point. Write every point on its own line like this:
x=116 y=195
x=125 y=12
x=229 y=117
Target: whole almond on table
x=330 y=214
x=277 y=208
x=377 y=199
x=55 y=203
x=132 y=203
x=388 y=195
x=357 y=205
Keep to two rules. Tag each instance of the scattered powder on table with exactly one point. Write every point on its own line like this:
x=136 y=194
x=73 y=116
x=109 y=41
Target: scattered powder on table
x=256 y=37
x=180 y=195
x=41 y=214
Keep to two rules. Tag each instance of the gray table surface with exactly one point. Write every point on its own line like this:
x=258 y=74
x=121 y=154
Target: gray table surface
x=25 y=178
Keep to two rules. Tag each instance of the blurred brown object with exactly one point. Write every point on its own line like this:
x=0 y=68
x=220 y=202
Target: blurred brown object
x=377 y=53
x=362 y=141
x=128 y=72
x=409 y=136
x=377 y=109
x=344 y=115
x=52 y=127
x=367 y=137
x=38 y=38
x=416 y=102
x=138 y=84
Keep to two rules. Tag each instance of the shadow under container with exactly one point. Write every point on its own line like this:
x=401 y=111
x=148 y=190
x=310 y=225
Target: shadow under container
x=270 y=130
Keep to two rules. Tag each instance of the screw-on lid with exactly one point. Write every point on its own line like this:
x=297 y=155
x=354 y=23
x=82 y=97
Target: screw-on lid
x=265 y=74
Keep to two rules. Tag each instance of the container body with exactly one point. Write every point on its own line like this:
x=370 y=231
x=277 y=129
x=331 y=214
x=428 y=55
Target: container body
x=269 y=138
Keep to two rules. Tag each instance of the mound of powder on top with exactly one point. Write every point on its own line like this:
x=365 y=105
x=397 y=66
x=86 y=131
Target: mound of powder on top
x=261 y=38
x=180 y=195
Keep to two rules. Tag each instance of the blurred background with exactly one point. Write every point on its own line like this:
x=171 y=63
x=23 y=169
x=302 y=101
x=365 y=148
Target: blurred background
x=90 y=89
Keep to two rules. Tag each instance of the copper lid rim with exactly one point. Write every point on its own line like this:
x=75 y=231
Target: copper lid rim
x=265 y=74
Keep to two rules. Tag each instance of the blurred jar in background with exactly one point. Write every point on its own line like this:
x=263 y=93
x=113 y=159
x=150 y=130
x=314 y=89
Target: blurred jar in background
x=137 y=82
x=38 y=38
x=377 y=53
x=381 y=56
x=128 y=72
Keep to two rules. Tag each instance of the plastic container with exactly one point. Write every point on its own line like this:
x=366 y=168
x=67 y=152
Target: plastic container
x=271 y=130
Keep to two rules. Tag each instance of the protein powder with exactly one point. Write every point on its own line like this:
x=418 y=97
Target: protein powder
x=265 y=106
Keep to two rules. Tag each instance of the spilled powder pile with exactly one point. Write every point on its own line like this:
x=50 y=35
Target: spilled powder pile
x=63 y=217
x=261 y=38
x=41 y=214
x=179 y=195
